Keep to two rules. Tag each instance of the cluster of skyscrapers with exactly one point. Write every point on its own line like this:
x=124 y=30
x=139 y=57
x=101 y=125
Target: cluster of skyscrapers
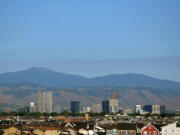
x=45 y=105
x=154 y=109
x=111 y=105
x=108 y=106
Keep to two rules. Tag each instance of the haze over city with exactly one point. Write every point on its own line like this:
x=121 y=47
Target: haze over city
x=92 y=38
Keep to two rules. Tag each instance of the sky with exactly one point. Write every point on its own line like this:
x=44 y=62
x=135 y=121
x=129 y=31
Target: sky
x=91 y=37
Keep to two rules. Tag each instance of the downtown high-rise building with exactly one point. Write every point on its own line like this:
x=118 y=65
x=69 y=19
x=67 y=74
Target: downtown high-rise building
x=138 y=108
x=32 y=107
x=158 y=109
x=148 y=108
x=114 y=103
x=45 y=101
x=105 y=106
x=75 y=107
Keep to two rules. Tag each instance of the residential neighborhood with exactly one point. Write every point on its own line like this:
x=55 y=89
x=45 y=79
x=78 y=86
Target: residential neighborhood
x=99 y=125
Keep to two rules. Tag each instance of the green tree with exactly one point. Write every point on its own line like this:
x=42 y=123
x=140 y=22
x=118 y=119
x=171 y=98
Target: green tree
x=1 y=132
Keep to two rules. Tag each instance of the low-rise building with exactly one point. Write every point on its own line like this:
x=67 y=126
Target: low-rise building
x=126 y=129
x=149 y=130
x=13 y=130
x=171 y=129
x=127 y=111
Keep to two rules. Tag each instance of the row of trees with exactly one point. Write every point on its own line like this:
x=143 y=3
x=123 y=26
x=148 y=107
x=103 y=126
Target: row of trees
x=38 y=114
x=152 y=115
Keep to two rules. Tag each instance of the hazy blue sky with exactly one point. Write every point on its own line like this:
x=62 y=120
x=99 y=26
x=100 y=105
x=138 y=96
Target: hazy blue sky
x=91 y=37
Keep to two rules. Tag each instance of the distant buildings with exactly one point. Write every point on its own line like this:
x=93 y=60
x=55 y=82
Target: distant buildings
x=127 y=111
x=113 y=103
x=32 y=107
x=97 y=108
x=57 y=108
x=86 y=109
x=138 y=108
x=75 y=107
x=154 y=109
x=24 y=109
x=148 y=108
x=105 y=106
x=158 y=109
x=45 y=101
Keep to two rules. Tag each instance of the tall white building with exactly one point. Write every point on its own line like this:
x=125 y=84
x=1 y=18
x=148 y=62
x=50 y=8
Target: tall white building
x=138 y=108
x=45 y=101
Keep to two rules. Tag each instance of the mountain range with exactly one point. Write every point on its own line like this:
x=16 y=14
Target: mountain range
x=22 y=88
x=46 y=77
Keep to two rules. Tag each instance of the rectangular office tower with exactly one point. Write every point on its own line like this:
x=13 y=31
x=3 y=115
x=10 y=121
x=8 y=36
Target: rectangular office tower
x=158 y=109
x=45 y=101
x=75 y=107
x=105 y=106
x=113 y=103
x=148 y=108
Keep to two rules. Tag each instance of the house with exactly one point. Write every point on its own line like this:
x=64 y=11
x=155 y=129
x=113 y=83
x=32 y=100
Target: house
x=110 y=129
x=13 y=130
x=139 y=126
x=47 y=131
x=70 y=127
x=126 y=129
x=171 y=129
x=84 y=128
x=98 y=129
x=38 y=131
x=117 y=129
x=149 y=130
x=52 y=131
